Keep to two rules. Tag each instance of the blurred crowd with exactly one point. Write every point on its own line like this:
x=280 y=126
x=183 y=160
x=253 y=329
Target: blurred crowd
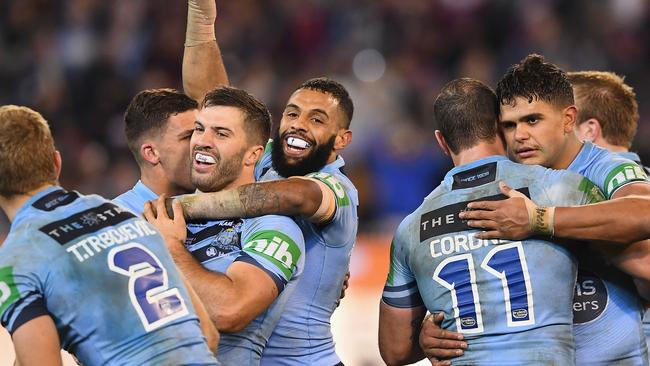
x=80 y=61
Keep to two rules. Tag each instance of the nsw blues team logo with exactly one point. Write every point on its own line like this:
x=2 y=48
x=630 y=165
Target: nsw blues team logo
x=211 y=251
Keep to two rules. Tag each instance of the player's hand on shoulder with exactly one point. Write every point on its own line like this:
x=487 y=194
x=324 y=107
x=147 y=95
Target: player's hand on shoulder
x=440 y=345
x=172 y=229
x=503 y=219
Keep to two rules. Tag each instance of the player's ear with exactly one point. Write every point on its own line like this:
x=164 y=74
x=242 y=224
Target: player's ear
x=58 y=164
x=570 y=114
x=253 y=155
x=342 y=139
x=149 y=153
x=589 y=130
x=442 y=143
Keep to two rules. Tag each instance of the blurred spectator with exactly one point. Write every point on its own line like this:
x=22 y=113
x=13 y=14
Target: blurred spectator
x=80 y=61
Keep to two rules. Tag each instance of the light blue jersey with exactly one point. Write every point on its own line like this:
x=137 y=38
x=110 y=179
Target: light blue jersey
x=303 y=336
x=511 y=299
x=646 y=316
x=607 y=310
x=135 y=198
x=274 y=244
x=106 y=279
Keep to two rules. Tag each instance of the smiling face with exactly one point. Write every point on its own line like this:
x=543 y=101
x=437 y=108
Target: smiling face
x=538 y=132
x=218 y=147
x=307 y=138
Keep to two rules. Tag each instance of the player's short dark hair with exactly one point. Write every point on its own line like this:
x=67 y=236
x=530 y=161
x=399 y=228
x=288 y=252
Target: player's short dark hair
x=605 y=96
x=466 y=113
x=535 y=79
x=148 y=112
x=335 y=89
x=257 y=123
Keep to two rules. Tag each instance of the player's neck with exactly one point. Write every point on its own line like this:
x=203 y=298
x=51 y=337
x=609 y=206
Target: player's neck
x=610 y=147
x=245 y=177
x=159 y=184
x=477 y=152
x=569 y=154
x=11 y=205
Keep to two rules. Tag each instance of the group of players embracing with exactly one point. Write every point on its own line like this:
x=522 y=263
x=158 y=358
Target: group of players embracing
x=233 y=247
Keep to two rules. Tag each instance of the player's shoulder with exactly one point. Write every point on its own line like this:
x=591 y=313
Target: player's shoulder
x=339 y=183
x=272 y=224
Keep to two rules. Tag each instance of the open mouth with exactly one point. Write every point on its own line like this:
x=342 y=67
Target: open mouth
x=203 y=161
x=295 y=146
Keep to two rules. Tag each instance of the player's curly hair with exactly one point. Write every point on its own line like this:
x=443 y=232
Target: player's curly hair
x=535 y=79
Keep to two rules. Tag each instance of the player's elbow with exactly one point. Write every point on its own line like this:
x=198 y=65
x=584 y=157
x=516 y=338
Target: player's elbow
x=391 y=356
x=231 y=319
x=393 y=352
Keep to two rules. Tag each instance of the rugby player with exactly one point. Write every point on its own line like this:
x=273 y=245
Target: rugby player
x=80 y=273
x=607 y=116
x=243 y=270
x=159 y=122
x=313 y=130
x=158 y=126
x=537 y=118
x=496 y=293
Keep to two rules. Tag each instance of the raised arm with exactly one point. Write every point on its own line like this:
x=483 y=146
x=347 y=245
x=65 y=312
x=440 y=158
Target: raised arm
x=295 y=196
x=37 y=343
x=203 y=67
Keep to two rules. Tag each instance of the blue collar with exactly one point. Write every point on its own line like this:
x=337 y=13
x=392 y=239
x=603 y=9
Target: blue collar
x=630 y=155
x=22 y=211
x=449 y=177
x=143 y=191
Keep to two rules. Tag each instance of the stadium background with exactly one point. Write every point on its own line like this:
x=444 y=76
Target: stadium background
x=80 y=61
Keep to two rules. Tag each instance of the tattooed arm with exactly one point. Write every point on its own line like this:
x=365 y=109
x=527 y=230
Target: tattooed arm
x=295 y=196
x=399 y=330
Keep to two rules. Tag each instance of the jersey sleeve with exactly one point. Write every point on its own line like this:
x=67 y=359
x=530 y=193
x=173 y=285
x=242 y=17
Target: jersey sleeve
x=265 y=162
x=343 y=225
x=21 y=297
x=276 y=245
x=401 y=290
x=615 y=172
x=565 y=188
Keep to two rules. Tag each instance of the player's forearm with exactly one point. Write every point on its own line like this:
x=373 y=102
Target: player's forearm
x=216 y=290
x=398 y=334
x=207 y=325
x=203 y=70
x=203 y=67
x=288 y=197
x=622 y=220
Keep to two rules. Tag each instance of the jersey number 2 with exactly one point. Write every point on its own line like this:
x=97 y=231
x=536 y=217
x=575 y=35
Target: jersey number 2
x=153 y=300
x=506 y=262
